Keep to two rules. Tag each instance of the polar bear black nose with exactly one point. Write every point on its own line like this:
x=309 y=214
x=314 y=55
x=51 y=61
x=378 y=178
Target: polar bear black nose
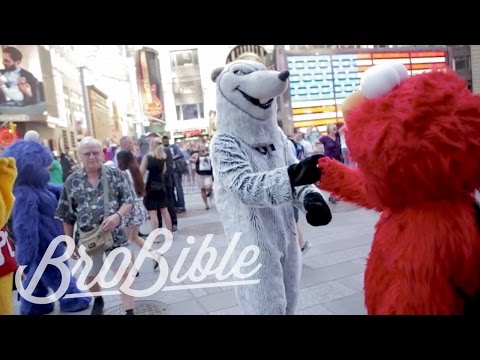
x=284 y=75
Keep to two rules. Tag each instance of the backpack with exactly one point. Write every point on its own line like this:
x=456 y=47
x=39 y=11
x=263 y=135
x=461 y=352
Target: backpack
x=300 y=149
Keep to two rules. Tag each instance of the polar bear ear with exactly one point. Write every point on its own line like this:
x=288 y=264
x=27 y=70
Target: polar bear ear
x=380 y=79
x=215 y=73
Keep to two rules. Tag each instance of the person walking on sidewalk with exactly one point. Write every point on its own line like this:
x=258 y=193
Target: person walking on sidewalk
x=203 y=168
x=177 y=171
x=156 y=191
x=138 y=215
x=333 y=148
x=298 y=151
x=83 y=203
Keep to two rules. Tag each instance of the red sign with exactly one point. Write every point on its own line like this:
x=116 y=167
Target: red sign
x=7 y=137
x=192 y=133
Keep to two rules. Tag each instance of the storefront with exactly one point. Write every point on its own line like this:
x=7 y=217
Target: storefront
x=193 y=134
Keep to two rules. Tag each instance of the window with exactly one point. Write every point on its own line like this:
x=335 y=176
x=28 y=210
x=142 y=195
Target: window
x=190 y=111
x=188 y=85
x=65 y=138
x=461 y=63
x=184 y=58
x=72 y=139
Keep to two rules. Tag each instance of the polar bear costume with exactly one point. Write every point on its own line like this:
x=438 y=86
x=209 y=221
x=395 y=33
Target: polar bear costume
x=255 y=184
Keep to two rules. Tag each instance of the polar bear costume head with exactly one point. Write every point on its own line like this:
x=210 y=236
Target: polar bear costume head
x=246 y=106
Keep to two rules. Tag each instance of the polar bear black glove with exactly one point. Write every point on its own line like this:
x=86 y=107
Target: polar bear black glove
x=318 y=212
x=305 y=172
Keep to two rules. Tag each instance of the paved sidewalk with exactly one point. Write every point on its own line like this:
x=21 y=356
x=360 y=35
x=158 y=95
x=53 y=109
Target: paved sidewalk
x=332 y=278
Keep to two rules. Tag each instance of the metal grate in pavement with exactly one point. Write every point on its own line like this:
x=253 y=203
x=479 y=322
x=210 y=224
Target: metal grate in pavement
x=142 y=307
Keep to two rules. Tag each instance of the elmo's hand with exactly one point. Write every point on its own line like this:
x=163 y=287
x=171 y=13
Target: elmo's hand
x=323 y=164
x=318 y=212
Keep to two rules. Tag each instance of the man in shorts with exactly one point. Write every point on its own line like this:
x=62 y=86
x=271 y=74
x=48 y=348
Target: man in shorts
x=82 y=204
x=203 y=169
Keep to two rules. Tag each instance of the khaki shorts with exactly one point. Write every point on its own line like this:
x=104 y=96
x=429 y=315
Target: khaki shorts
x=99 y=260
x=204 y=180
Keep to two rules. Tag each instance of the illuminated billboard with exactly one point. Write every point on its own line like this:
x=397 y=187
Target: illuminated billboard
x=319 y=83
x=150 y=84
x=22 y=94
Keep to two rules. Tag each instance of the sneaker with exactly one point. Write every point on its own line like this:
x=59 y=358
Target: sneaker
x=174 y=228
x=156 y=257
x=207 y=208
x=306 y=247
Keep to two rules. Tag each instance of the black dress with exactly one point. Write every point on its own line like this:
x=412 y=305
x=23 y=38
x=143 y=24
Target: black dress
x=156 y=197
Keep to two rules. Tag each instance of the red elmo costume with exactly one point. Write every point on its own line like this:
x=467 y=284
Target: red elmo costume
x=417 y=148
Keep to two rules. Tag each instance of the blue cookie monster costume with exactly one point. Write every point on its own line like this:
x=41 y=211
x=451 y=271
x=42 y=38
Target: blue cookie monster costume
x=35 y=227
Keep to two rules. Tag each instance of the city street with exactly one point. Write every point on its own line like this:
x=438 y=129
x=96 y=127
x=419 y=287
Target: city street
x=332 y=276
x=129 y=105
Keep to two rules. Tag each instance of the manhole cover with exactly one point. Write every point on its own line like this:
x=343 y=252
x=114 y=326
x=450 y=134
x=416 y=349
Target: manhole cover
x=142 y=307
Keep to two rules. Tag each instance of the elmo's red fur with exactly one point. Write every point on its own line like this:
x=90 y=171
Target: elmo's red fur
x=417 y=150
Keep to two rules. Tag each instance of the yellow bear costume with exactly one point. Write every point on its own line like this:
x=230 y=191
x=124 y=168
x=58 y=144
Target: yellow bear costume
x=8 y=173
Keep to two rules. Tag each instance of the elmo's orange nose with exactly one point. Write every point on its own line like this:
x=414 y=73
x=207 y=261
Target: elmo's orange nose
x=352 y=102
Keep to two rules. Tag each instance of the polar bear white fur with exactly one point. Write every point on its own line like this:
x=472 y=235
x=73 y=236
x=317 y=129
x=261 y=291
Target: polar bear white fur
x=250 y=157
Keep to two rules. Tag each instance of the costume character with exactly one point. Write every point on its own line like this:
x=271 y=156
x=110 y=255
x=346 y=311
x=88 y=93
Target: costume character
x=415 y=140
x=257 y=179
x=8 y=173
x=35 y=227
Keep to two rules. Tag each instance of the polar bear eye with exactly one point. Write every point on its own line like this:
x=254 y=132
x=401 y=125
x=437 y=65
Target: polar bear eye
x=239 y=72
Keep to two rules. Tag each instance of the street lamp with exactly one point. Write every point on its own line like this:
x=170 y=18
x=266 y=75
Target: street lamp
x=86 y=104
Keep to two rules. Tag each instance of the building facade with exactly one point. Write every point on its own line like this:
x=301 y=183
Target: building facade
x=188 y=91
x=100 y=115
x=475 y=67
x=52 y=112
x=322 y=76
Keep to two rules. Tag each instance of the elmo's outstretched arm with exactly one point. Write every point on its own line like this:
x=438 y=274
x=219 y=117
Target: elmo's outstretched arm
x=346 y=183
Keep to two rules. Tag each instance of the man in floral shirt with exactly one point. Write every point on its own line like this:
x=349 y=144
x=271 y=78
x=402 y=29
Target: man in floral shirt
x=81 y=202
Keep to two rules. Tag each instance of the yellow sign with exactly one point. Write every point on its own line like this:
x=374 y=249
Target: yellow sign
x=300 y=124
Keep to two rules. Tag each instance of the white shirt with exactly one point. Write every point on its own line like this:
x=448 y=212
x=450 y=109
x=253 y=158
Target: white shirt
x=307 y=146
x=12 y=91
